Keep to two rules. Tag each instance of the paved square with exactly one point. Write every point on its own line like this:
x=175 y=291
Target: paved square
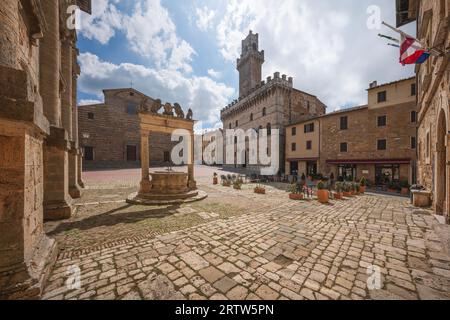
x=239 y=245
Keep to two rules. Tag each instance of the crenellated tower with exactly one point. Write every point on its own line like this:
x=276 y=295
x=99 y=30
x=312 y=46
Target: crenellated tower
x=249 y=65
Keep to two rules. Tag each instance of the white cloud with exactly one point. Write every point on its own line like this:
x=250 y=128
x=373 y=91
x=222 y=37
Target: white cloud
x=86 y=102
x=214 y=74
x=149 y=30
x=324 y=45
x=205 y=96
x=205 y=18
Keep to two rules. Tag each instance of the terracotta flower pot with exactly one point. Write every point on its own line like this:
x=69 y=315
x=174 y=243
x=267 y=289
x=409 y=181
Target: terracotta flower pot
x=347 y=194
x=392 y=190
x=215 y=180
x=337 y=195
x=362 y=189
x=322 y=196
x=260 y=191
x=296 y=196
x=405 y=191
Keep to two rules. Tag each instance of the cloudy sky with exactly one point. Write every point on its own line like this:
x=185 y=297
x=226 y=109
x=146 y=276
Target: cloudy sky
x=185 y=51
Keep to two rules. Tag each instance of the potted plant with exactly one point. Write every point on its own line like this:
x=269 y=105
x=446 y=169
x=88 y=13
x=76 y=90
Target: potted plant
x=347 y=189
x=392 y=187
x=237 y=184
x=215 y=179
x=322 y=192
x=259 y=189
x=295 y=192
x=404 y=185
x=338 y=191
x=362 y=185
x=226 y=182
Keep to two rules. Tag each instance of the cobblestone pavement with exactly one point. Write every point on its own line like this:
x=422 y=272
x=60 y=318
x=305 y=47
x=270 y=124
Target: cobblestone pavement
x=269 y=247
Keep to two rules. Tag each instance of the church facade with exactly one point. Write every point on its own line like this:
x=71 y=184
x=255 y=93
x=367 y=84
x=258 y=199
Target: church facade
x=268 y=104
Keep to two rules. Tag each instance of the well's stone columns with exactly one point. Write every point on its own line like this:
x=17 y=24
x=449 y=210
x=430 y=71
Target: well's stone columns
x=57 y=202
x=192 y=184
x=145 y=163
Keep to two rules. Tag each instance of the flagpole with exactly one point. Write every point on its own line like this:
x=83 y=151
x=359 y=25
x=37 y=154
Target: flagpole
x=407 y=35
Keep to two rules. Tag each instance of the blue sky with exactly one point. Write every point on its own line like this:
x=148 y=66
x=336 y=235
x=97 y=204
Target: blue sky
x=185 y=51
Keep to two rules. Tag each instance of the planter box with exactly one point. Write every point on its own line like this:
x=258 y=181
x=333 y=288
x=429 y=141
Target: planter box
x=392 y=190
x=295 y=196
x=337 y=195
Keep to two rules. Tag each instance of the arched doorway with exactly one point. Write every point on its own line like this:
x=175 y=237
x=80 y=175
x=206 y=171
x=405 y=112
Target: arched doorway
x=441 y=165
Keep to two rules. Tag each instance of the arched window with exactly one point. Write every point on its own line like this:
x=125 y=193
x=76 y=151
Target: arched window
x=251 y=116
x=269 y=129
x=230 y=125
x=264 y=112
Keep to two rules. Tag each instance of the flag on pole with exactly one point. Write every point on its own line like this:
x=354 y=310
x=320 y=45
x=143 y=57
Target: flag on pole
x=411 y=51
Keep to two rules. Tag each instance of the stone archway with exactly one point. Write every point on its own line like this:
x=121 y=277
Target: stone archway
x=441 y=165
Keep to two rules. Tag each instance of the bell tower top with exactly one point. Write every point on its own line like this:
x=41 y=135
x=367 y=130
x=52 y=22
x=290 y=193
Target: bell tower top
x=250 y=64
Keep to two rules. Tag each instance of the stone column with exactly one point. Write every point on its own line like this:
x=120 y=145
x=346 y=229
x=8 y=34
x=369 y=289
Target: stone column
x=26 y=253
x=57 y=202
x=75 y=133
x=192 y=184
x=145 y=163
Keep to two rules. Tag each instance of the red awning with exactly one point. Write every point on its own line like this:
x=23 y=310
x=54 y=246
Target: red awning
x=370 y=161
x=302 y=159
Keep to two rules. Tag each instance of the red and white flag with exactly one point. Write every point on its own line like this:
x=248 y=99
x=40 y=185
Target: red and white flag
x=411 y=51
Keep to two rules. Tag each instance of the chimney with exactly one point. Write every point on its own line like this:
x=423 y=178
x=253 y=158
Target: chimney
x=373 y=84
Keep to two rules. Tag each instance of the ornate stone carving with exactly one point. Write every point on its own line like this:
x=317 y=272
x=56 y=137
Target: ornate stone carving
x=156 y=106
x=178 y=111
x=189 y=114
x=168 y=109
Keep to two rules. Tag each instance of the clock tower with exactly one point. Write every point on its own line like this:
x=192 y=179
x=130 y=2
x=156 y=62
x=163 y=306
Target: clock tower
x=249 y=64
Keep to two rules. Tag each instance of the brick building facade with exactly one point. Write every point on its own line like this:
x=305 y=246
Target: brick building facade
x=377 y=141
x=40 y=158
x=271 y=104
x=433 y=95
x=109 y=133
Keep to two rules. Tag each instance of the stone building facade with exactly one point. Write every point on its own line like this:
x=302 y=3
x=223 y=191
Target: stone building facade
x=39 y=154
x=377 y=141
x=265 y=104
x=433 y=95
x=110 y=136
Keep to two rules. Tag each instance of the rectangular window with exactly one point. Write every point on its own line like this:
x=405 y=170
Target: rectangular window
x=308 y=145
x=413 y=143
x=88 y=153
x=237 y=123
x=344 y=147
x=294 y=131
x=294 y=146
x=131 y=153
x=91 y=116
x=381 y=144
x=344 y=123
x=413 y=116
x=382 y=121
x=413 y=89
x=166 y=156
x=382 y=96
x=309 y=127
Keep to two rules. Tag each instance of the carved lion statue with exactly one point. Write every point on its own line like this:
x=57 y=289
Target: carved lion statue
x=156 y=106
x=178 y=111
x=168 y=109
x=190 y=114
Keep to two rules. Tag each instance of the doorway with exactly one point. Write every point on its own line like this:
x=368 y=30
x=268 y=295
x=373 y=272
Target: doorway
x=294 y=168
x=131 y=153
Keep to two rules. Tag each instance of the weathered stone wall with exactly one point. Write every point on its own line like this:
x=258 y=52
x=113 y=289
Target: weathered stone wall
x=433 y=80
x=113 y=128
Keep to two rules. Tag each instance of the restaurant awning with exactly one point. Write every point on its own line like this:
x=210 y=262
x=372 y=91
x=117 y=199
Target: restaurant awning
x=370 y=161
